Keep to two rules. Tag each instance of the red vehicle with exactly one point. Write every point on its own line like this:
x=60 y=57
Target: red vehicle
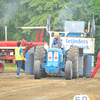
x=7 y=48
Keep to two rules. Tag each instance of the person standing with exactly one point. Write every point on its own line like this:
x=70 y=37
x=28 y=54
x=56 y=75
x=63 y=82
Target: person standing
x=97 y=65
x=18 y=58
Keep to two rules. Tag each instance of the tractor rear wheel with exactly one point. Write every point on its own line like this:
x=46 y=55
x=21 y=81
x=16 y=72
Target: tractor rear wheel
x=37 y=69
x=68 y=70
x=1 y=66
x=31 y=50
x=40 y=54
x=72 y=54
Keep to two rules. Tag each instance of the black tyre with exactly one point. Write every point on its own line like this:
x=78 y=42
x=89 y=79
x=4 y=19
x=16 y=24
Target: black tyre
x=68 y=70
x=37 y=69
x=31 y=50
x=40 y=54
x=72 y=54
x=2 y=66
x=26 y=49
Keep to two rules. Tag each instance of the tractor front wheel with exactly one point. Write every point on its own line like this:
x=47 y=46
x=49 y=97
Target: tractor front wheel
x=37 y=69
x=68 y=70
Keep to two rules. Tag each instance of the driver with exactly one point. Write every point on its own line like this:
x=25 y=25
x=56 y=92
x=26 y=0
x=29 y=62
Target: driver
x=55 y=40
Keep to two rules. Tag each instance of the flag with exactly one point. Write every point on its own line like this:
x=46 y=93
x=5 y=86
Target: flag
x=48 y=24
x=92 y=27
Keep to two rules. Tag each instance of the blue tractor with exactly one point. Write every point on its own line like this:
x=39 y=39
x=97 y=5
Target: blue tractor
x=73 y=61
x=56 y=61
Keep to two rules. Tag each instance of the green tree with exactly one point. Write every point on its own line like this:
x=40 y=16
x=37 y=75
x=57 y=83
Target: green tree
x=8 y=9
x=96 y=6
x=38 y=11
x=96 y=11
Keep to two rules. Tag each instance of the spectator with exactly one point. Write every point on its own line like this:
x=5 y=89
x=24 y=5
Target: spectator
x=19 y=57
x=97 y=65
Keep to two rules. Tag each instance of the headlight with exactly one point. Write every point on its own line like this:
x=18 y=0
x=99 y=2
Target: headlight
x=49 y=56
x=82 y=35
x=55 y=56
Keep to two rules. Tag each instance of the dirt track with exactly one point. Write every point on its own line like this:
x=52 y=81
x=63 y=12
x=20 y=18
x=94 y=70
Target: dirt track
x=50 y=88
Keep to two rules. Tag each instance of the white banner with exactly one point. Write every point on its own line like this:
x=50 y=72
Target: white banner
x=86 y=43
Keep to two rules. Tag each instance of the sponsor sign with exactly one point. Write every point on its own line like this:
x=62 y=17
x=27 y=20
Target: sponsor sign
x=86 y=43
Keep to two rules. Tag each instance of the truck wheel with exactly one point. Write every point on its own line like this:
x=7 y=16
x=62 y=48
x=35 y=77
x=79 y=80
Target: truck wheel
x=40 y=54
x=37 y=69
x=68 y=70
x=1 y=66
x=72 y=54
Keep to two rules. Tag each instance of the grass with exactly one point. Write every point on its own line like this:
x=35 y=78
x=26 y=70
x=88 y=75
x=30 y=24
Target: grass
x=13 y=67
x=10 y=67
x=99 y=70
